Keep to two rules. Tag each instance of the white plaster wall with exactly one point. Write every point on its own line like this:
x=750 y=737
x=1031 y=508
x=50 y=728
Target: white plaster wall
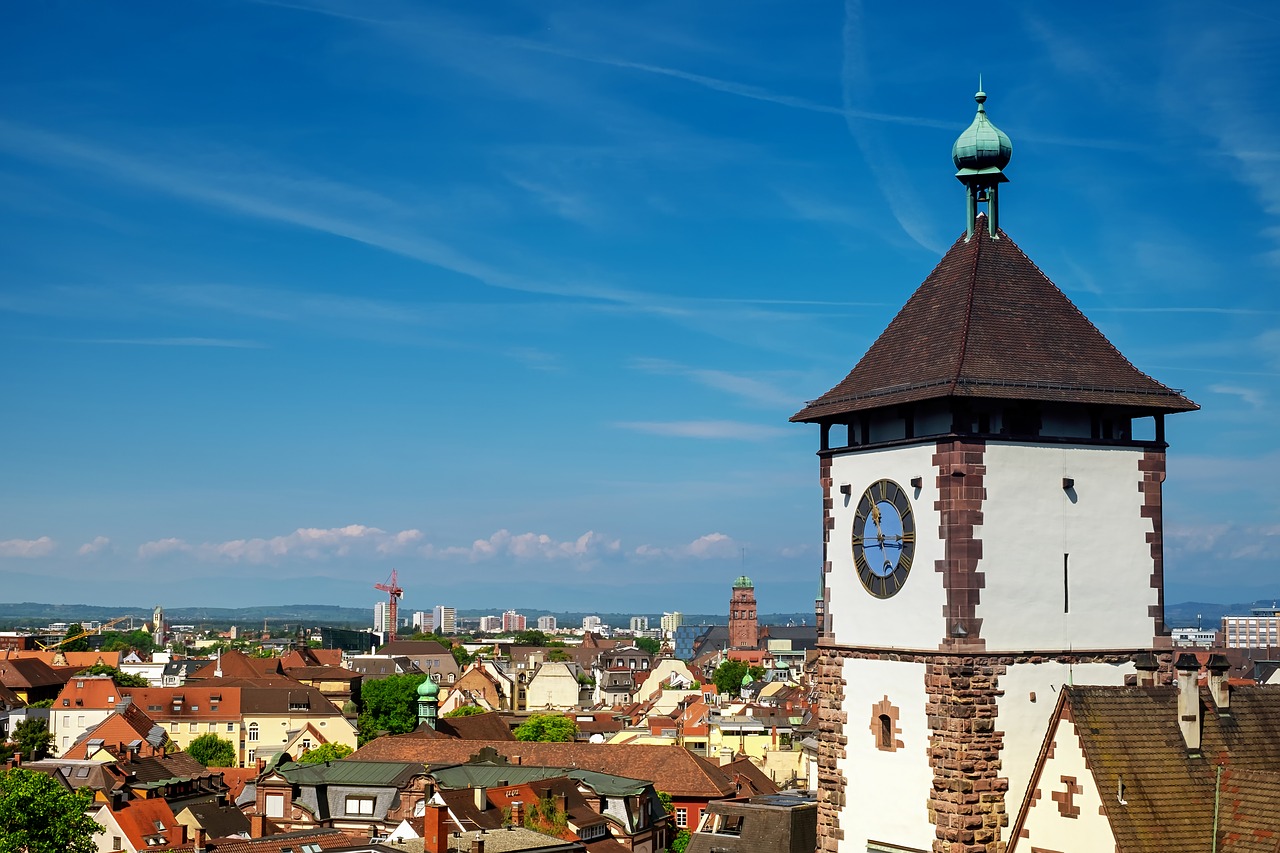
x=887 y=795
x=1030 y=521
x=555 y=686
x=1047 y=827
x=1024 y=721
x=912 y=619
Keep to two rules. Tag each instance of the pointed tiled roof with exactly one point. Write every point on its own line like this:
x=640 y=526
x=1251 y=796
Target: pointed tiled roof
x=988 y=323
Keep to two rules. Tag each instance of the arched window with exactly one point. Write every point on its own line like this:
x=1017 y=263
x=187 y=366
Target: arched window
x=253 y=732
x=886 y=732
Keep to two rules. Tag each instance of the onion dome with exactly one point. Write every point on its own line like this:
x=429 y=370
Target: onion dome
x=428 y=689
x=983 y=146
x=743 y=582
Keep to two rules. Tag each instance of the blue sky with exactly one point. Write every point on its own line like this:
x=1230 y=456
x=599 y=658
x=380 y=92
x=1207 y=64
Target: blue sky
x=517 y=298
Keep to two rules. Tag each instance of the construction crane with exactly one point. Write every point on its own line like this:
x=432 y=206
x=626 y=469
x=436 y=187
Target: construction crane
x=104 y=626
x=394 y=593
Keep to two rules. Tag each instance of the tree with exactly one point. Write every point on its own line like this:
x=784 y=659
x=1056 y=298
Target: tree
x=34 y=739
x=548 y=728
x=212 y=751
x=531 y=638
x=681 y=842
x=389 y=704
x=648 y=645
x=326 y=752
x=37 y=815
x=728 y=676
x=461 y=656
x=77 y=645
x=466 y=711
x=123 y=679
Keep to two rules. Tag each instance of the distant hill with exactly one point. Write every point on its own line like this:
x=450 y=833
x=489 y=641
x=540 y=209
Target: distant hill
x=37 y=615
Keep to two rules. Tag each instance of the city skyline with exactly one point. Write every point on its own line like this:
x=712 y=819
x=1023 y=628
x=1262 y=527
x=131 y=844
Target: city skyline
x=522 y=298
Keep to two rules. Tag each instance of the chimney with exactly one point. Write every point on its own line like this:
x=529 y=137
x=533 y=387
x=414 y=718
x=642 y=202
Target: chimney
x=562 y=802
x=1146 y=665
x=482 y=801
x=517 y=813
x=435 y=829
x=477 y=843
x=182 y=833
x=257 y=826
x=198 y=838
x=1189 y=700
x=1218 y=685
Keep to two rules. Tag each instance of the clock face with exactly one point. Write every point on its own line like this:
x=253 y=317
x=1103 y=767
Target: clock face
x=884 y=538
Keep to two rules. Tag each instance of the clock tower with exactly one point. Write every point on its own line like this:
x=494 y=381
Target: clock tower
x=991 y=475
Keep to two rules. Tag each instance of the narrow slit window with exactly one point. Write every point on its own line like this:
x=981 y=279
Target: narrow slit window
x=1066 y=583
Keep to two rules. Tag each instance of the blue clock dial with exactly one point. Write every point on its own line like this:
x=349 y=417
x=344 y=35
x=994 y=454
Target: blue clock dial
x=884 y=538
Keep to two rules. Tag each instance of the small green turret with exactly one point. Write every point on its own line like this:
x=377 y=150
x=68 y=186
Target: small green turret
x=428 y=702
x=980 y=155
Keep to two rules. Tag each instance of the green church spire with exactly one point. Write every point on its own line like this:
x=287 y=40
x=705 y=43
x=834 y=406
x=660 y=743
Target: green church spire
x=980 y=155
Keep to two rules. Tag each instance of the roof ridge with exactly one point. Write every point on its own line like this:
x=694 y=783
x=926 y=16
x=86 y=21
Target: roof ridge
x=968 y=310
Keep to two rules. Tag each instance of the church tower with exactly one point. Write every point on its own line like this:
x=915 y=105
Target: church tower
x=744 y=628
x=991 y=475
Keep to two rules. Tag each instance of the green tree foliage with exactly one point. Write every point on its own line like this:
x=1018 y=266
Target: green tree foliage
x=548 y=728
x=79 y=645
x=389 y=704
x=115 y=641
x=543 y=816
x=33 y=739
x=531 y=638
x=648 y=645
x=558 y=655
x=37 y=815
x=680 y=842
x=461 y=656
x=728 y=676
x=466 y=711
x=326 y=752
x=124 y=679
x=212 y=751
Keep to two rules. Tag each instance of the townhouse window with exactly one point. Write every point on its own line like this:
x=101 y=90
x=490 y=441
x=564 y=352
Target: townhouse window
x=359 y=805
x=193 y=727
x=250 y=757
x=80 y=720
x=275 y=805
x=253 y=732
x=66 y=720
x=173 y=727
x=231 y=727
x=306 y=743
x=213 y=727
x=115 y=843
x=682 y=817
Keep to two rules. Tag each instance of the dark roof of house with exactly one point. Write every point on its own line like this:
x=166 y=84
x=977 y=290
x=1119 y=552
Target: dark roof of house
x=217 y=820
x=486 y=726
x=413 y=648
x=778 y=823
x=327 y=839
x=25 y=673
x=676 y=771
x=988 y=323
x=1132 y=733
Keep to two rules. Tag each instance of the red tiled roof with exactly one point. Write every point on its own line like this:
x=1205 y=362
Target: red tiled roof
x=150 y=818
x=120 y=728
x=1132 y=734
x=672 y=769
x=988 y=323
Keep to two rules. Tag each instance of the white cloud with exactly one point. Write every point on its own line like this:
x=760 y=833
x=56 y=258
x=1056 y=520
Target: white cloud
x=99 y=543
x=705 y=429
x=712 y=546
x=309 y=543
x=1253 y=396
x=527 y=546
x=27 y=547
